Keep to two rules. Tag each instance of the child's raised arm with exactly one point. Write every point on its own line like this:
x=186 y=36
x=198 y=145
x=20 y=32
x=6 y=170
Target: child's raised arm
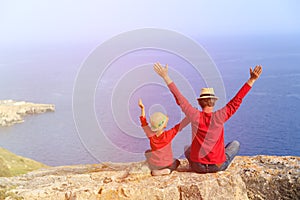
x=144 y=123
x=142 y=108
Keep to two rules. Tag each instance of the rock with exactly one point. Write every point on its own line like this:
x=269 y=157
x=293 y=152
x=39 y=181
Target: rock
x=12 y=112
x=258 y=177
x=270 y=177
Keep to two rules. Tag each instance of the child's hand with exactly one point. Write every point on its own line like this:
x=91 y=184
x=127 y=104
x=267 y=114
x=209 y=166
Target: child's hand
x=142 y=107
x=141 y=104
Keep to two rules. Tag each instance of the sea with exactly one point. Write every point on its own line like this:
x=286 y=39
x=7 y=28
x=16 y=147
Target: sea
x=97 y=114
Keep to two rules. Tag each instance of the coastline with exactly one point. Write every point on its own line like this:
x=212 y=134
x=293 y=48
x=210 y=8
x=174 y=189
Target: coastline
x=13 y=112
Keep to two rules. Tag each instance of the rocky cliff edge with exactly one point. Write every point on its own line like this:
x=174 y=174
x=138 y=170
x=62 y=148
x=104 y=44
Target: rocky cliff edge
x=258 y=177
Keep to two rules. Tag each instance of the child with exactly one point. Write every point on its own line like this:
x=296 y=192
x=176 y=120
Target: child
x=160 y=157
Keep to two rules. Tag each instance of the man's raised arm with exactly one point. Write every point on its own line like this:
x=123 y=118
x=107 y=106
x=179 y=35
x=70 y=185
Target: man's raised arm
x=186 y=107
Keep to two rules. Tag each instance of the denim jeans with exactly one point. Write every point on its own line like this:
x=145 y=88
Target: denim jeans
x=231 y=149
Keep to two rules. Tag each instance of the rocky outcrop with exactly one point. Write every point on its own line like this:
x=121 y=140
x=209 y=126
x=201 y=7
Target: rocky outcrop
x=270 y=177
x=258 y=177
x=12 y=112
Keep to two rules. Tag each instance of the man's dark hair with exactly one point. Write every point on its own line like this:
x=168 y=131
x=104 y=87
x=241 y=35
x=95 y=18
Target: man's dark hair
x=207 y=102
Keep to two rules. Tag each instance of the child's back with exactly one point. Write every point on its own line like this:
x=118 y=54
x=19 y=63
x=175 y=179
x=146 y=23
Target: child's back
x=160 y=157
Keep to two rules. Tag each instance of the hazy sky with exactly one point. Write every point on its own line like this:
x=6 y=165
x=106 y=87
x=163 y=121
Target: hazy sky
x=30 y=21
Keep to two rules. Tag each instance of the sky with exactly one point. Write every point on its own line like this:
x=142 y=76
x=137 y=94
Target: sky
x=38 y=21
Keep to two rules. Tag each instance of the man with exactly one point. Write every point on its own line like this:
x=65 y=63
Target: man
x=207 y=152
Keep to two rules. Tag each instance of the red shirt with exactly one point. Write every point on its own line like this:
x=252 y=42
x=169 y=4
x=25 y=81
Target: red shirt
x=161 y=146
x=208 y=128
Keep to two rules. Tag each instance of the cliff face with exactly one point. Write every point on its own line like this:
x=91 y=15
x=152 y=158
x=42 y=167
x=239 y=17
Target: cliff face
x=259 y=177
x=12 y=112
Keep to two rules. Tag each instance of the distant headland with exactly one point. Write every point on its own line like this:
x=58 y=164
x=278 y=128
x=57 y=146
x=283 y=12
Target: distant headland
x=12 y=112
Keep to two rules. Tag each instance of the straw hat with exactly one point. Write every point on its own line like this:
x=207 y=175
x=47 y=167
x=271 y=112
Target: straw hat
x=158 y=121
x=207 y=93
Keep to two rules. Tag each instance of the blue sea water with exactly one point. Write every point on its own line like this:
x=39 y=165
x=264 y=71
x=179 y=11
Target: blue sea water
x=266 y=123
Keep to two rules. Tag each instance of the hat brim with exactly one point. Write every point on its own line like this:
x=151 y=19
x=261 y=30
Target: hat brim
x=208 y=97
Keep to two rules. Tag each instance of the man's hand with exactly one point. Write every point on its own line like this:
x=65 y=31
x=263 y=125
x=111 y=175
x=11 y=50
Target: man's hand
x=162 y=72
x=254 y=74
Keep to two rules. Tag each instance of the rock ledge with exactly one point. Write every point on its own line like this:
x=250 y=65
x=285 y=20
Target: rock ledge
x=258 y=177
